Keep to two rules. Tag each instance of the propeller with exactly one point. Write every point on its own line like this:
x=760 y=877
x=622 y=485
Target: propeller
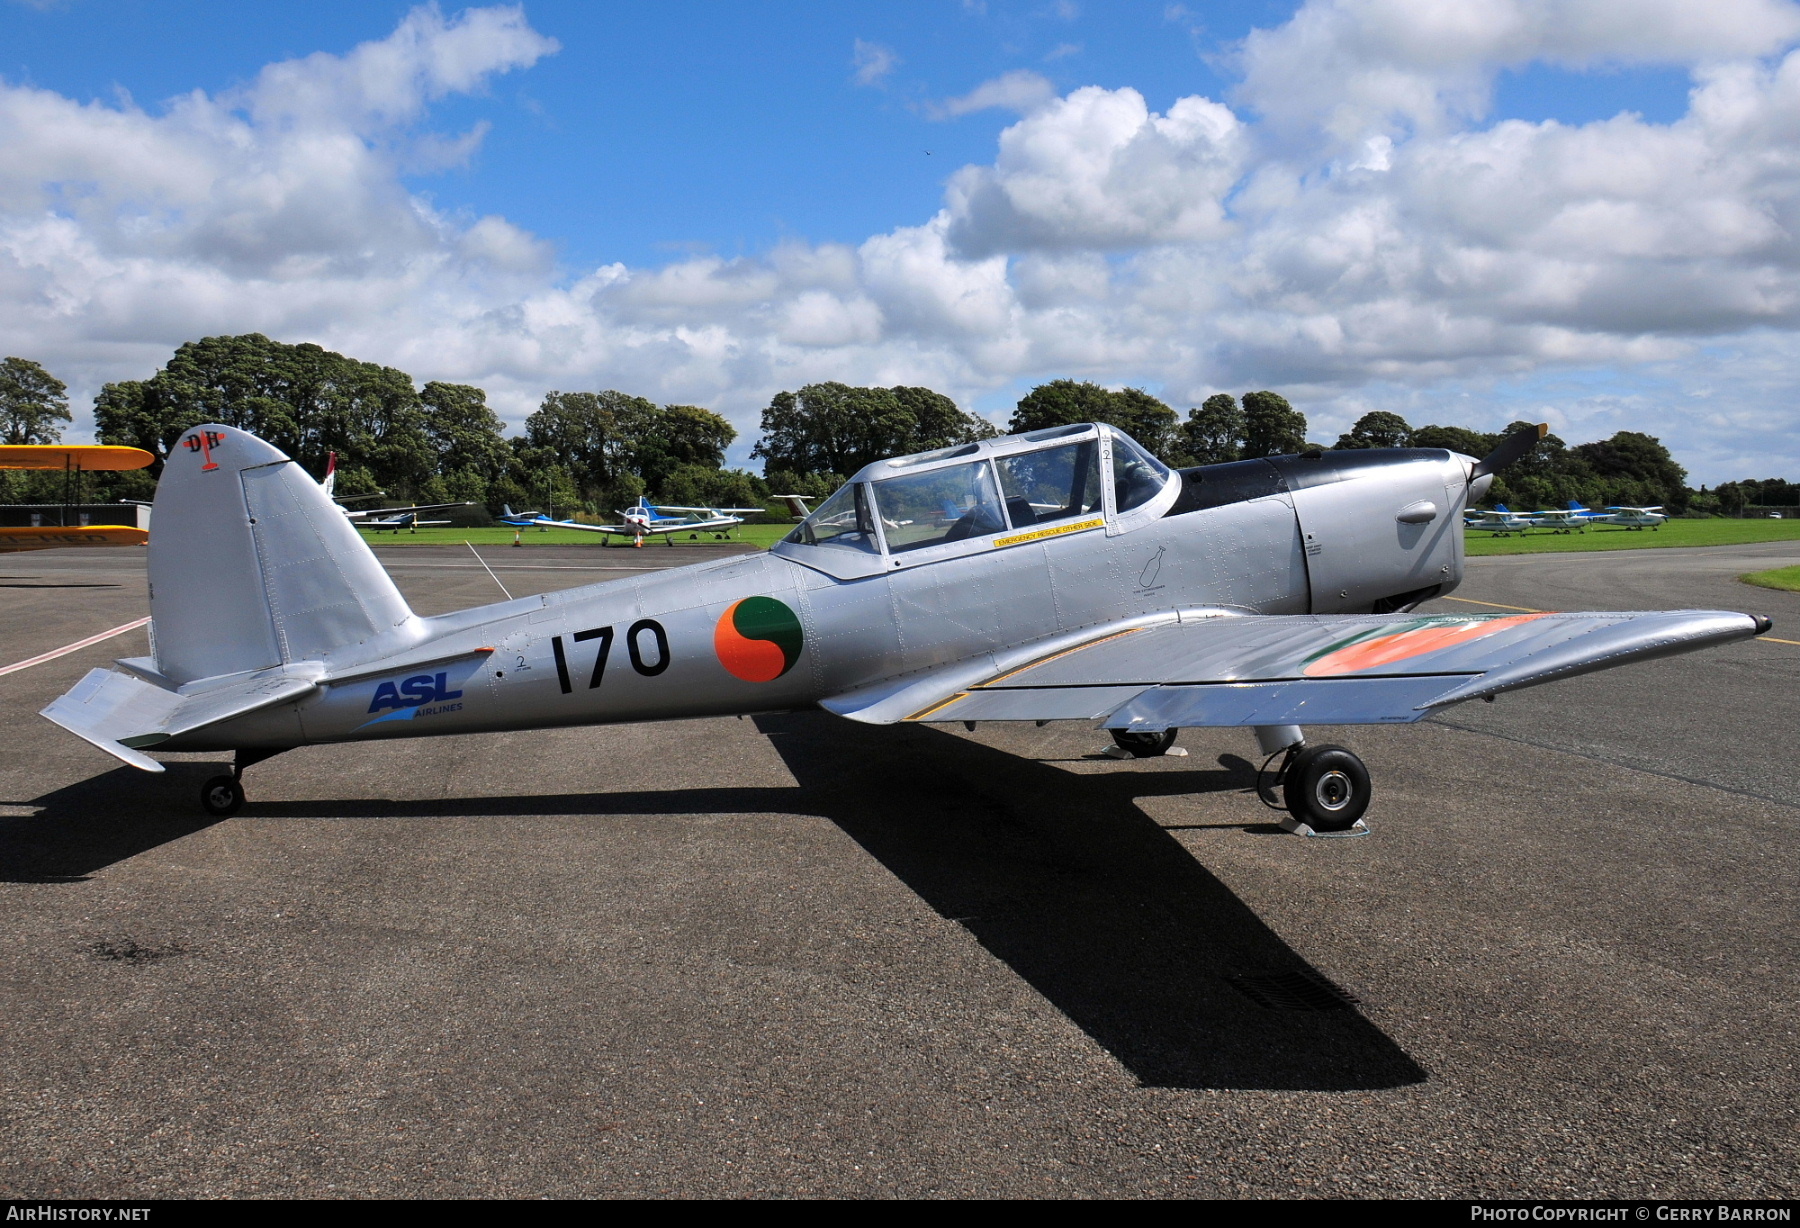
x=1512 y=448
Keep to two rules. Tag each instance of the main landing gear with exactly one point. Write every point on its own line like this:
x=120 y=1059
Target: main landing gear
x=1324 y=788
x=223 y=796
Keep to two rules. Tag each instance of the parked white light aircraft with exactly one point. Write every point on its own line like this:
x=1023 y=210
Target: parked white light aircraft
x=1501 y=521
x=644 y=520
x=381 y=518
x=1571 y=519
x=1063 y=574
x=1634 y=517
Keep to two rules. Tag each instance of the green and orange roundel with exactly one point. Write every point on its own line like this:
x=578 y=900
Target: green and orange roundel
x=1382 y=646
x=758 y=639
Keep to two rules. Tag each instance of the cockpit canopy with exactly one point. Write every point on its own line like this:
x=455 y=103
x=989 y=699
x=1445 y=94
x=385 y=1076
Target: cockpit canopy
x=983 y=495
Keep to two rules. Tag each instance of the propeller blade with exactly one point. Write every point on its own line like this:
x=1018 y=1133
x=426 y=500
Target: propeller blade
x=1511 y=449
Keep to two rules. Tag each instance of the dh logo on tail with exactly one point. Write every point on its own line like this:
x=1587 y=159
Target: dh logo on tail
x=204 y=442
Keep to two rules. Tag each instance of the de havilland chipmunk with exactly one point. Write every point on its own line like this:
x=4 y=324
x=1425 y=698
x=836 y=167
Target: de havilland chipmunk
x=1063 y=574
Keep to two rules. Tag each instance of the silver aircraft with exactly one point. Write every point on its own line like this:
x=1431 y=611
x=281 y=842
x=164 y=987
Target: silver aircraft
x=1063 y=574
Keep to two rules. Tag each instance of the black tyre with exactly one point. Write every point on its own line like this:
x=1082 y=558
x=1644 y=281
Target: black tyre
x=221 y=796
x=1327 y=788
x=1145 y=745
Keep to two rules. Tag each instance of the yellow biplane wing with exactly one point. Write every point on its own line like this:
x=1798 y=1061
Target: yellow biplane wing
x=81 y=458
x=49 y=537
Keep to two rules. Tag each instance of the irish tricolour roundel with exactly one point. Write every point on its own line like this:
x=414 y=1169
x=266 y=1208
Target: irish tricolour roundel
x=758 y=639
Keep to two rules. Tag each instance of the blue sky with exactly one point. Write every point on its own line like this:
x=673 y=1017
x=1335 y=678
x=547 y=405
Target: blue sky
x=638 y=200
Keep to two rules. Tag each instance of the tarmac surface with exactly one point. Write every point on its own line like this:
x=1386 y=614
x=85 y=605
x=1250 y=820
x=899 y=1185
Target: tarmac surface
x=799 y=956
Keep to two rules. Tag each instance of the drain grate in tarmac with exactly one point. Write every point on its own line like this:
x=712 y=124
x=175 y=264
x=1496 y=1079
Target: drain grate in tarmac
x=1300 y=990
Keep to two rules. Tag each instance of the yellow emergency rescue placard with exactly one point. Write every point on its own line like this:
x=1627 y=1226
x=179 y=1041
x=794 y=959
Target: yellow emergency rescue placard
x=1055 y=530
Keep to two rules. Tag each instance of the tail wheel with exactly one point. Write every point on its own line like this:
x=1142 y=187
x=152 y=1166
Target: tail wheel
x=221 y=796
x=1327 y=788
x=1145 y=745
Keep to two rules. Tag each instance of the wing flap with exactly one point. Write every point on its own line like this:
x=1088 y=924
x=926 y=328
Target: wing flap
x=1337 y=701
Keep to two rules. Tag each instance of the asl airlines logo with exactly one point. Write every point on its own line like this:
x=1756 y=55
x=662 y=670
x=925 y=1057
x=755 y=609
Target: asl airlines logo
x=421 y=695
x=204 y=442
x=758 y=639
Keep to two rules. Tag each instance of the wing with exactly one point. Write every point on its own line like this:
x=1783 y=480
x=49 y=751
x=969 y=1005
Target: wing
x=1199 y=668
x=400 y=511
x=86 y=458
x=50 y=538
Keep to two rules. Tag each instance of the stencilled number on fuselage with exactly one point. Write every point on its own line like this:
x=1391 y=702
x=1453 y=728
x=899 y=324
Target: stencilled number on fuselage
x=633 y=648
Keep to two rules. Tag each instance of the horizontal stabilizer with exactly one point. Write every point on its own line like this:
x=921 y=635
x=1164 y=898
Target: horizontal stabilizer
x=123 y=713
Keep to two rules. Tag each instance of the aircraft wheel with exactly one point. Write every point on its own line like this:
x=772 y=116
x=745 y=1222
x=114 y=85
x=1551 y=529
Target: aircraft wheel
x=221 y=796
x=1145 y=745
x=1327 y=788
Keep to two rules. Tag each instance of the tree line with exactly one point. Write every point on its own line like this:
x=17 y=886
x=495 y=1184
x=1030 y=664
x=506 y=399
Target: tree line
x=595 y=452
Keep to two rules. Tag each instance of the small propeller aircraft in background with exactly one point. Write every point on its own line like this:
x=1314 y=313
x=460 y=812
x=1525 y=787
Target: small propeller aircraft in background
x=1062 y=574
x=796 y=505
x=72 y=460
x=1501 y=521
x=1571 y=519
x=381 y=519
x=1633 y=517
x=644 y=520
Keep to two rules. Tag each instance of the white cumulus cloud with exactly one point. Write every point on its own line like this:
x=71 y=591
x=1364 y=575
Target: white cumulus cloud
x=1344 y=229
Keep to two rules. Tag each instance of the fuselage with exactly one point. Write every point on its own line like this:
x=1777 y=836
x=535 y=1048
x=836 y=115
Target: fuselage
x=1339 y=532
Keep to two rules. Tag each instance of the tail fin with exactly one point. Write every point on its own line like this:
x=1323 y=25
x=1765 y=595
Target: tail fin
x=328 y=483
x=253 y=565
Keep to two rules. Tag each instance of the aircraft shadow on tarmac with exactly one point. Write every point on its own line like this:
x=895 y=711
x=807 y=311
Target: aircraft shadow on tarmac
x=97 y=822
x=1059 y=875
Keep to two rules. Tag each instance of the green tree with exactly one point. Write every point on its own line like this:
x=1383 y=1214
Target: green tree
x=679 y=436
x=1456 y=439
x=1272 y=426
x=1635 y=468
x=1377 y=429
x=466 y=438
x=710 y=486
x=1215 y=432
x=33 y=403
x=595 y=437
x=936 y=421
x=1064 y=402
x=836 y=428
x=306 y=400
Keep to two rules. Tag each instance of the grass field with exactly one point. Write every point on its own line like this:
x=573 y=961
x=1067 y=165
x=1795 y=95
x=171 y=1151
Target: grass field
x=1612 y=537
x=764 y=535
x=1781 y=577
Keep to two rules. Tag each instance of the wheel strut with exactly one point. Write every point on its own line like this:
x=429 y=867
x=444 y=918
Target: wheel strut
x=223 y=796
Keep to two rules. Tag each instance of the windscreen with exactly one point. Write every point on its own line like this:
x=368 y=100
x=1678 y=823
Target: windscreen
x=937 y=506
x=842 y=520
x=1137 y=476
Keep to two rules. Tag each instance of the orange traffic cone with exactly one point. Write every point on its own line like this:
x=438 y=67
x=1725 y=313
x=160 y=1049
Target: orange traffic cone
x=516 y=540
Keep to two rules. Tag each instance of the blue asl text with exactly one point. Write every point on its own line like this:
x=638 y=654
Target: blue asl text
x=415 y=691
